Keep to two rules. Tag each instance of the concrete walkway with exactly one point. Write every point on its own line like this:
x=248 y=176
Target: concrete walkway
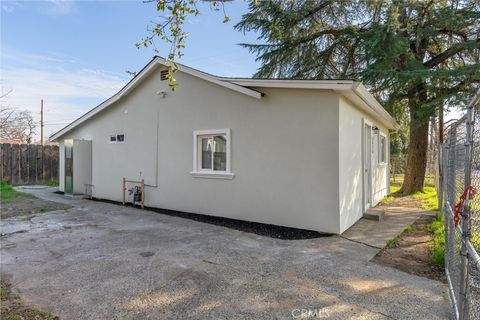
x=377 y=233
x=103 y=261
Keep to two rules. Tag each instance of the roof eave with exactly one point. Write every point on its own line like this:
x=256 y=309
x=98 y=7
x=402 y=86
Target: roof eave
x=376 y=108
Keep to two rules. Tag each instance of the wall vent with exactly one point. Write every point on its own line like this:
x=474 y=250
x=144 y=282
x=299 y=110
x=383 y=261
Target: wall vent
x=164 y=75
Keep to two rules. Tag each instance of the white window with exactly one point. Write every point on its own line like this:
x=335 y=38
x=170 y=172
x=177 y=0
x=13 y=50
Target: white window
x=382 y=149
x=117 y=138
x=211 y=154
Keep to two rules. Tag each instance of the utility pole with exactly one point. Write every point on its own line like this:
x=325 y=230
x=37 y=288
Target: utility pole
x=41 y=122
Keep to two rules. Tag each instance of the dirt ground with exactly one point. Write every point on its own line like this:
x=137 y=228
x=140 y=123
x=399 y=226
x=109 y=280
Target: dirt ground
x=411 y=253
x=12 y=306
x=24 y=206
x=405 y=202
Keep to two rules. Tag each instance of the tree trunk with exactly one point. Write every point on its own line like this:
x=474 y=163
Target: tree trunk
x=417 y=155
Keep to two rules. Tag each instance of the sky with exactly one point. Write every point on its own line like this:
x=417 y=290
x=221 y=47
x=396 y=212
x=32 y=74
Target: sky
x=75 y=54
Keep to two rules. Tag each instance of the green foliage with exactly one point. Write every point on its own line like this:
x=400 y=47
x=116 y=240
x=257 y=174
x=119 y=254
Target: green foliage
x=437 y=227
x=394 y=189
x=406 y=51
x=53 y=183
x=8 y=194
x=429 y=198
x=169 y=28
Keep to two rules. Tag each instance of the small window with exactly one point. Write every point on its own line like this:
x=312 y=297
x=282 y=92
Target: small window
x=164 y=75
x=382 y=149
x=117 y=138
x=212 y=154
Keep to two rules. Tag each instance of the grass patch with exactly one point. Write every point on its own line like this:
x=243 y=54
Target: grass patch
x=53 y=183
x=429 y=198
x=394 y=241
x=394 y=188
x=437 y=228
x=13 y=308
x=9 y=195
x=397 y=179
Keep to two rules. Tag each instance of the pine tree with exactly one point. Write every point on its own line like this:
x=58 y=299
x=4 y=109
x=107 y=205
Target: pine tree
x=415 y=56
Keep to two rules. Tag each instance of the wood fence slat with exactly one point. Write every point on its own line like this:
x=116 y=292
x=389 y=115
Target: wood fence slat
x=28 y=164
x=32 y=160
x=24 y=164
x=15 y=163
x=6 y=165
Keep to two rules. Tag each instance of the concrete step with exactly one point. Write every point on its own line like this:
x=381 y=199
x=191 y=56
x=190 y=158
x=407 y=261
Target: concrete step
x=376 y=214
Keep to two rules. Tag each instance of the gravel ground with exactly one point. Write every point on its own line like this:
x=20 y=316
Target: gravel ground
x=267 y=230
x=104 y=261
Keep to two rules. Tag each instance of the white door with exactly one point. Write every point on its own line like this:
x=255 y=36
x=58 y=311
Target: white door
x=367 y=165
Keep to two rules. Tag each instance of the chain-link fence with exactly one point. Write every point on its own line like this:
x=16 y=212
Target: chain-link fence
x=460 y=172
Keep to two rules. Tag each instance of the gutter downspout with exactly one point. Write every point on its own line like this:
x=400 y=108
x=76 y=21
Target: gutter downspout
x=156 y=152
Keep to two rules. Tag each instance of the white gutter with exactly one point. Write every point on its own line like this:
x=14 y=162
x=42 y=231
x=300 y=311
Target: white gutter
x=353 y=90
x=373 y=104
x=294 y=84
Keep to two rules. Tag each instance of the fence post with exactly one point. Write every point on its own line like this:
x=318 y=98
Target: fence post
x=465 y=213
x=451 y=181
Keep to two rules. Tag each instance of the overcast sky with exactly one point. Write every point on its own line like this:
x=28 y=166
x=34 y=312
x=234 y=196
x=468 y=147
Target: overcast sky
x=74 y=54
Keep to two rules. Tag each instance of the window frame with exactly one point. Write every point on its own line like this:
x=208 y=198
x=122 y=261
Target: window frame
x=116 y=137
x=198 y=171
x=382 y=153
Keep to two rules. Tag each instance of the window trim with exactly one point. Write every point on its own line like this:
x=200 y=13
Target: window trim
x=197 y=171
x=380 y=136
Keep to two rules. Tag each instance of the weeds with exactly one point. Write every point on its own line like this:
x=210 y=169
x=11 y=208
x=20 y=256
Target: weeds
x=13 y=308
x=437 y=227
x=53 y=183
x=8 y=194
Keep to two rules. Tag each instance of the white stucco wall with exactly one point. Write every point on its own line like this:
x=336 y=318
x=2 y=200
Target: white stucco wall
x=285 y=151
x=351 y=121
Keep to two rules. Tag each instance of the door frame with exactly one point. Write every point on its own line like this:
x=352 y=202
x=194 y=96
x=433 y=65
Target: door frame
x=367 y=178
x=68 y=144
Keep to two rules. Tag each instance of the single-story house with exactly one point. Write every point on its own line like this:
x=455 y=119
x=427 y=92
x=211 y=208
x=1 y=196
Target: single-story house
x=309 y=154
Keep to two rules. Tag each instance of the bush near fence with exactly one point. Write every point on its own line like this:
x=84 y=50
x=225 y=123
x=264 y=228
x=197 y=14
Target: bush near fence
x=22 y=164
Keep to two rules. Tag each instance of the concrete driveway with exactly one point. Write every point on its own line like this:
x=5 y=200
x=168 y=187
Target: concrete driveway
x=103 y=261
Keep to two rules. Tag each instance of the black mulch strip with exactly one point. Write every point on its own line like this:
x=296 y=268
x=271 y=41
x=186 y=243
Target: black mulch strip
x=268 y=230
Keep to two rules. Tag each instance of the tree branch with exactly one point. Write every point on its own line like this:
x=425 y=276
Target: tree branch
x=450 y=52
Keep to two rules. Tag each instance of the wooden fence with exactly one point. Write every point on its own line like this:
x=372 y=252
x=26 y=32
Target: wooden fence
x=28 y=163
